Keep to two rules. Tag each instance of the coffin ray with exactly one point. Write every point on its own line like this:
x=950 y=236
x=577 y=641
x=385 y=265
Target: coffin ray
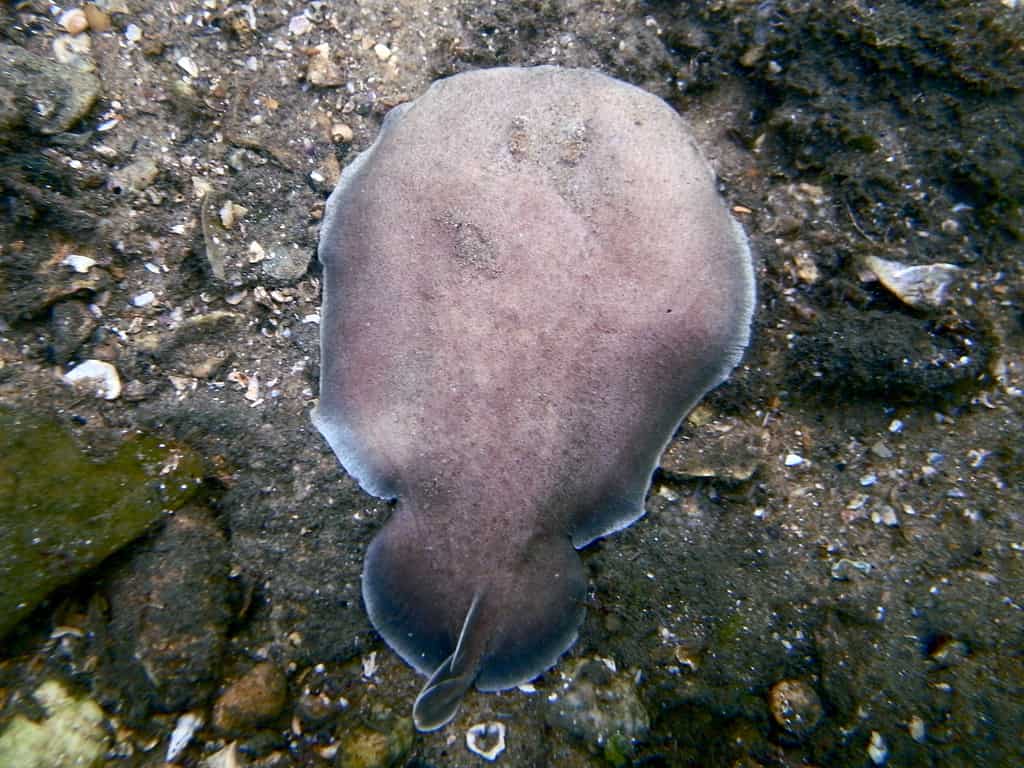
x=529 y=280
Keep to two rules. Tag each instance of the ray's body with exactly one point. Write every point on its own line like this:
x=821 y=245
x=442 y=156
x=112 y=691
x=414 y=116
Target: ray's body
x=530 y=279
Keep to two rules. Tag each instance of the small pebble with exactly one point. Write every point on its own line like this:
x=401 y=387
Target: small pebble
x=144 y=299
x=795 y=706
x=386 y=744
x=881 y=450
x=321 y=70
x=382 y=51
x=256 y=253
x=254 y=699
x=896 y=426
x=99 y=20
x=845 y=569
x=886 y=515
x=299 y=25
x=74 y=21
x=877 y=750
x=190 y=67
x=74 y=50
x=794 y=460
x=223 y=758
x=916 y=728
x=133 y=33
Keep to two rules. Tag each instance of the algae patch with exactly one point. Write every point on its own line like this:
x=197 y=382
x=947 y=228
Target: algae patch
x=63 y=511
x=72 y=733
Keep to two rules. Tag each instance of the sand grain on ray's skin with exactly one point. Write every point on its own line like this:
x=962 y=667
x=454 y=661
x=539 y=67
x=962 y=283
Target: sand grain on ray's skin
x=530 y=279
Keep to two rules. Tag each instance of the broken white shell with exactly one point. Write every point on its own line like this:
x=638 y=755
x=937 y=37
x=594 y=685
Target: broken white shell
x=81 y=264
x=486 y=740
x=920 y=286
x=183 y=732
x=97 y=374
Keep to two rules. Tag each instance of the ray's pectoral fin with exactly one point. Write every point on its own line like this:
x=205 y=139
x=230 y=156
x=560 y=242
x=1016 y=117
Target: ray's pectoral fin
x=439 y=700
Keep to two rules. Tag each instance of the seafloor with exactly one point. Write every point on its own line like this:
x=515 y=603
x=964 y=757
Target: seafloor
x=831 y=571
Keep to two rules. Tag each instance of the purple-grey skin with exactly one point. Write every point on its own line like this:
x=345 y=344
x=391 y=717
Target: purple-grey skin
x=529 y=280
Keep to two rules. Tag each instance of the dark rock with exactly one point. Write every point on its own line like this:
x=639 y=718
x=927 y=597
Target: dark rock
x=49 y=97
x=160 y=647
x=72 y=324
x=599 y=705
x=876 y=353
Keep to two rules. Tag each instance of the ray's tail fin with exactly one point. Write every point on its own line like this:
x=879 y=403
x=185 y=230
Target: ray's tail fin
x=439 y=700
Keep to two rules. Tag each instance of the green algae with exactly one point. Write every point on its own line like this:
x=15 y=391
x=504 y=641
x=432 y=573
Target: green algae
x=72 y=734
x=377 y=747
x=63 y=511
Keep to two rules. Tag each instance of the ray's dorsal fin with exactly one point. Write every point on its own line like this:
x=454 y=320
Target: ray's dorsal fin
x=439 y=700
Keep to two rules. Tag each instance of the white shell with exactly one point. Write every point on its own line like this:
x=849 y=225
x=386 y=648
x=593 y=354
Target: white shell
x=920 y=286
x=183 y=732
x=482 y=733
x=81 y=264
x=97 y=374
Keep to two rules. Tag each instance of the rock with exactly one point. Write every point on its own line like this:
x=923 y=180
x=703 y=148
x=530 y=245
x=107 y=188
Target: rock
x=383 y=747
x=287 y=264
x=75 y=51
x=70 y=736
x=299 y=25
x=600 y=706
x=195 y=348
x=99 y=20
x=882 y=354
x=189 y=66
x=845 y=569
x=917 y=729
x=795 y=707
x=68 y=511
x=223 y=758
x=161 y=641
x=922 y=286
x=72 y=324
x=51 y=97
x=727 y=449
x=96 y=376
x=270 y=250
x=34 y=280
x=877 y=749
x=321 y=71
x=253 y=700
x=74 y=21
x=134 y=177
